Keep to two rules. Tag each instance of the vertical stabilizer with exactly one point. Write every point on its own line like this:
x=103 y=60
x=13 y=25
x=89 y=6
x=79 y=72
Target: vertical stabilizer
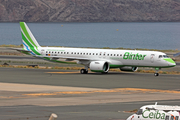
x=29 y=42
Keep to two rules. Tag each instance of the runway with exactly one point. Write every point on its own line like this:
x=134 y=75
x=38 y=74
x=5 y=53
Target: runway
x=36 y=93
x=91 y=80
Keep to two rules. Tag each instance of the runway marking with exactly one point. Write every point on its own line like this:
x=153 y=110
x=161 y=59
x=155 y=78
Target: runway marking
x=121 y=90
x=62 y=72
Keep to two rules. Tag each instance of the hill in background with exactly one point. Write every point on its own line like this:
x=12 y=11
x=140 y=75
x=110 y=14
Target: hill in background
x=89 y=10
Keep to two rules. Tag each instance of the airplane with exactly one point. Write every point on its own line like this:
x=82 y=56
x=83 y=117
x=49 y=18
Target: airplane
x=156 y=112
x=97 y=60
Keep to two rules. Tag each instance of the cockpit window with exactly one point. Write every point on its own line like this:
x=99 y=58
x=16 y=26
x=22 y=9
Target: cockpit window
x=160 y=56
x=163 y=56
x=139 y=112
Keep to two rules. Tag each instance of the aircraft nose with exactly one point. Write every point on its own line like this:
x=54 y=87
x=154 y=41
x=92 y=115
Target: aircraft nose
x=170 y=62
x=173 y=64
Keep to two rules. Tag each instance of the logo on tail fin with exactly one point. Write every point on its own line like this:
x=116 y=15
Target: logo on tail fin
x=29 y=42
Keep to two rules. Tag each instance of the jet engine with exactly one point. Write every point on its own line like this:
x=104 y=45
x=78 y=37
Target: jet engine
x=128 y=68
x=99 y=66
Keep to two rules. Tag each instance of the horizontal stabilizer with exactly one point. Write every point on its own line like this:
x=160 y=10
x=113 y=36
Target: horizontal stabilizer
x=21 y=50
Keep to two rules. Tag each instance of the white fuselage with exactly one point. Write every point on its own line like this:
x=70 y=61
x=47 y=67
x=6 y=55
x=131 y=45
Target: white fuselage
x=116 y=58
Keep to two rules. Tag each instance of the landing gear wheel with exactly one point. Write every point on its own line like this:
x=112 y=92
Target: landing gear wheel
x=156 y=74
x=83 y=71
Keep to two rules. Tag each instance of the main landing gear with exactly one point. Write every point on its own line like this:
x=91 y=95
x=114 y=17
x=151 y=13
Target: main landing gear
x=84 y=71
x=156 y=73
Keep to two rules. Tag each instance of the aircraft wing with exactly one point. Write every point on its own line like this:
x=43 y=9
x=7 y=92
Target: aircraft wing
x=69 y=58
x=177 y=54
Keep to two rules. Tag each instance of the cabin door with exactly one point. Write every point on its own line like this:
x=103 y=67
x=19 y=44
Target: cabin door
x=152 y=58
x=42 y=52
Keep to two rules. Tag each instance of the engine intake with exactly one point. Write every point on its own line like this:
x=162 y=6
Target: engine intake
x=130 y=69
x=99 y=66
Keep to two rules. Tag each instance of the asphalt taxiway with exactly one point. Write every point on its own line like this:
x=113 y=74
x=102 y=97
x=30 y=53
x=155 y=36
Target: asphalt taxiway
x=36 y=93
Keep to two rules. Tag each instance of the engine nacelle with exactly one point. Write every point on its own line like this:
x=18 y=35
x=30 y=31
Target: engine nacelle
x=129 y=69
x=99 y=66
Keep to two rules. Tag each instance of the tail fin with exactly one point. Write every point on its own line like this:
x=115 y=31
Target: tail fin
x=29 y=42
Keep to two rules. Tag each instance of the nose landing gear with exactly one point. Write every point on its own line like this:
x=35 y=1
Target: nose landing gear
x=156 y=73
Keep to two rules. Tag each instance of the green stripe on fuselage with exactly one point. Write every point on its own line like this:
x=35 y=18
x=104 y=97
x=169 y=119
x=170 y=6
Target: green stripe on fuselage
x=169 y=60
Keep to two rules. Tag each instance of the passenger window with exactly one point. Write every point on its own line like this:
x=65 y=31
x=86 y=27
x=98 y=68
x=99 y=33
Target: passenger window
x=96 y=53
x=49 y=52
x=160 y=56
x=61 y=52
x=64 y=52
x=167 y=118
x=114 y=54
x=67 y=52
x=71 y=52
x=89 y=53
